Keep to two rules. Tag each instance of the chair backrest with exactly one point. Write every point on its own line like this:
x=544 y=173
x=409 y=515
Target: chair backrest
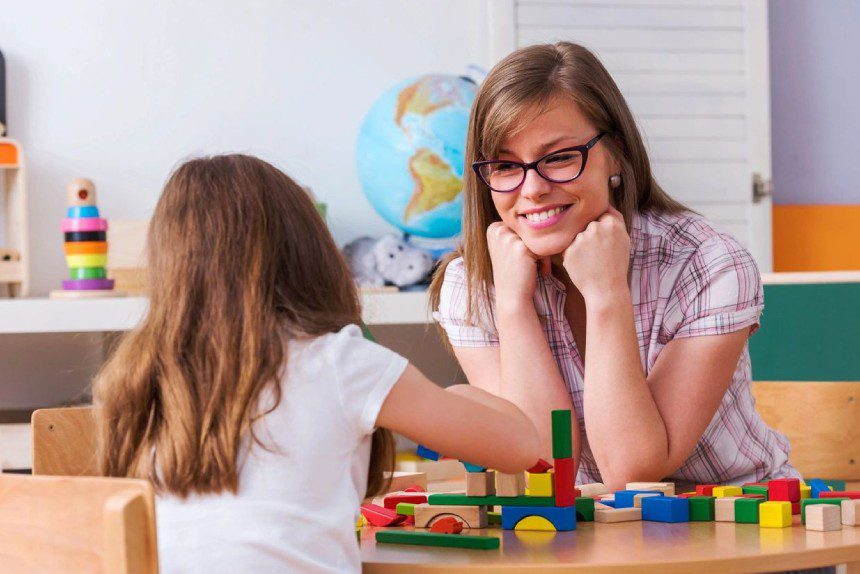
x=65 y=442
x=822 y=421
x=77 y=524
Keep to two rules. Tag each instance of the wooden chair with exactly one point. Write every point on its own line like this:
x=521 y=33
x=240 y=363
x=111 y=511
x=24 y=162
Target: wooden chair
x=822 y=421
x=65 y=442
x=77 y=524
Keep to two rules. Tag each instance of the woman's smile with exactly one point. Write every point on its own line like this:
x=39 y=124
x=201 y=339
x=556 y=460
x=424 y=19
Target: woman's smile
x=544 y=216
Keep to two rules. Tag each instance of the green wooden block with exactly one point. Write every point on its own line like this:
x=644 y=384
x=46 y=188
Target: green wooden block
x=406 y=508
x=837 y=485
x=494 y=517
x=746 y=510
x=702 y=508
x=561 y=447
x=464 y=500
x=437 y=539
x=808 y=501
x=755 y=490
x=584 y=509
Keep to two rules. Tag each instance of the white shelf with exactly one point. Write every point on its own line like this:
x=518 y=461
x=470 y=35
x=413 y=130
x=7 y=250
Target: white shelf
x=123 y=313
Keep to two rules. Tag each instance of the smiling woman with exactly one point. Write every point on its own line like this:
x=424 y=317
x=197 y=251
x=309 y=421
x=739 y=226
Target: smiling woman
x=581 y=284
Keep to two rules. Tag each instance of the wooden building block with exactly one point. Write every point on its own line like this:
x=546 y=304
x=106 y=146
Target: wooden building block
x=561 y=434
x=723 y=491
x=380 y=516
x=637 y=498
x=851 y=512
x=665 y=509
x=593 y=490
x=544 y=518
x=667 y=488
x=784 y=489
x=805 y=491
x=852 y=494
x=702 y=508
x=405 y=508
x=539 y=467
x=481 y=483
x=706 y=489
x=824 y=517
x=457 y=499
x=436 y=539
x=565 y=481
x=447 y=525
x=756 y=489
x=392 y=500
x=724 y=509
x=808 y=503
x=747 y=510
x=539 y=484
x=510 y=484
x=775 y=514
x=585 y=508
x=470 y=516
x=609 y=515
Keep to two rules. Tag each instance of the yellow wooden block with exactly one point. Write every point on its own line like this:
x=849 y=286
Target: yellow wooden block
x=723 y=491
x=774 y=514
x=805 y=491
x=535 y=523
x=539 y=484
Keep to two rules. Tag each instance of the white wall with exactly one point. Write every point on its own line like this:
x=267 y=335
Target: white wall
x=120 y=91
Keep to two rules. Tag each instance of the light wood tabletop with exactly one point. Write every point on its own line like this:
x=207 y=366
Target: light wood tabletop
x=640 y=547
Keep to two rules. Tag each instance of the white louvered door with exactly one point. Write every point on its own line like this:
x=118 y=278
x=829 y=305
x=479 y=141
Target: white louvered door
x=695 y=74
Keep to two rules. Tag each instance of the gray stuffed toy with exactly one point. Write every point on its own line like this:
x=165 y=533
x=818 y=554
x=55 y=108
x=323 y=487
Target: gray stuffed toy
x=387 y=260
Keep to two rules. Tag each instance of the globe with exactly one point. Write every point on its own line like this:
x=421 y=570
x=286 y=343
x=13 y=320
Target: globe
x=410 y=154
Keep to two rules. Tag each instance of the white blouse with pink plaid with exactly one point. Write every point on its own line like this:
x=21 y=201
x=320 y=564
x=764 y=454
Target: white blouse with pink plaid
x=687 y=279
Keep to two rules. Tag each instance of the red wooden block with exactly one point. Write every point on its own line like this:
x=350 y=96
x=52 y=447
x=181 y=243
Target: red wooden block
x=379 y=516
x=413 y=488
x=392 y=500
x=784 y=489
x=540 y=467
x=687 y=494
x=852 y=494
x=447 y=525
x=410 y=520
x=565 y=479
x=705 y=489
x=795 y=507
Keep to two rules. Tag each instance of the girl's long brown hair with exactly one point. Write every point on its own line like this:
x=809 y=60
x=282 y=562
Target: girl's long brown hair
x=240 y=262
x=523 y=82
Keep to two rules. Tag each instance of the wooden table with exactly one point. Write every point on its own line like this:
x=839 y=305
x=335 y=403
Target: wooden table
x=638 y=547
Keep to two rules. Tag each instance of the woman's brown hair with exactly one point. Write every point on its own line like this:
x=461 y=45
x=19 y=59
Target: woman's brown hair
x=239 y=263
x=520 y=86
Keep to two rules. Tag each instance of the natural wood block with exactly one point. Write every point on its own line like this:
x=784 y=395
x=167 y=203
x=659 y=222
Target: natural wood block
x=481 y=483
x=471 y=516
x=592 y=490
x=637 y=498
x=851 y=512
x=724 y=508
x=510 y=484
x=667 y=488
x=609 y=515
x=824 y=517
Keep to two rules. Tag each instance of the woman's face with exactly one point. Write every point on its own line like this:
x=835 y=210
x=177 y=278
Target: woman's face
x=581 y=201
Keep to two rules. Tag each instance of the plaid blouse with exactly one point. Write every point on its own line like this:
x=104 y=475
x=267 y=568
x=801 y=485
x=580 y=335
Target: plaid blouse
x=687 y=280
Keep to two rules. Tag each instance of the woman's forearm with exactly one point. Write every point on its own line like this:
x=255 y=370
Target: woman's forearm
x=530 y=376
x=625 y=430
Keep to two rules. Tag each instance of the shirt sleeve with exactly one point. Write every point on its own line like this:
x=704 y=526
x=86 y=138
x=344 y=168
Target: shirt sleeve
x=719 y=291
x=364 y=373
x=452 y=315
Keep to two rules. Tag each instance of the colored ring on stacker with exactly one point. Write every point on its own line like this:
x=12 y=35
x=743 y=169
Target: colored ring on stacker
x=88 y=260
x=85 y=236
x=87 y=273
x=84 y=247
x=86 y=224
x=88 y=284
x=83 y=211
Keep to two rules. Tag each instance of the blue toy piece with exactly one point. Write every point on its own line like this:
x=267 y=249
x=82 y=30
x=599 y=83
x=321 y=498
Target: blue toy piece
x=425 y=452
x=624 y=498
x=817 y=486
x=82 y=211
x=610 y=503
x=473 y=467
x=563 y=518
x=665 y=509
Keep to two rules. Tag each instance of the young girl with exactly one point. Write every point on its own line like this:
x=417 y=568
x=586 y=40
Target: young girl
x=248 y=395
x=582 y=284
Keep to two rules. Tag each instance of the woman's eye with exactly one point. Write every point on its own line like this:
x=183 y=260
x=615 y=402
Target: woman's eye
x=561 y=158
x=506 y=167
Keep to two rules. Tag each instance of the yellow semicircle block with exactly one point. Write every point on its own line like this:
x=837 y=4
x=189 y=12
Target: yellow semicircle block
x=538 y=523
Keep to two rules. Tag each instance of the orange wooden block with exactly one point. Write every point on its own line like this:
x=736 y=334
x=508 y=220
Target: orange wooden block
x=8 y=154
x=85 y=247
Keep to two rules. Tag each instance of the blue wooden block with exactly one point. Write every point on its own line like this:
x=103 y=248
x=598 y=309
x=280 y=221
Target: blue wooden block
x=610 y=503
x=817 y=486
x=425 y=452
x=473 y=467
x=83 y=211
x=665 y=509
x=562 y=517
x=624 y=498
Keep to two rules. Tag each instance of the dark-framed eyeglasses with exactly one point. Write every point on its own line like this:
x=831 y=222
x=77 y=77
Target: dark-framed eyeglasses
x=560 y=166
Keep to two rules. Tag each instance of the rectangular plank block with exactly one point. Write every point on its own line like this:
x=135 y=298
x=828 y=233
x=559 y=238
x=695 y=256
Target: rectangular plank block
x=824 y=517
x=481 y=483
x=610 y=515
x=593 y=489
x=464 y=500
x=702 y=508
x=436 y=539
x=851 y=494
x=665 y=509
x=626 y=498
x=723 y=491
x=810 y=502
x=510 y=485
x=747 y=510
x=392 y=500
x=561 y=434
x=775 y=514
x=563 y=518
x=667 y=488
x=724 y=509
x=637 y=498
x=564 y=481
x=756 y=489
x=850 y=512
x=472 y=516
x=405 y=508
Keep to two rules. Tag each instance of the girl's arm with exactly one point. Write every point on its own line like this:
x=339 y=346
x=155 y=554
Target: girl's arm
x=462 y=422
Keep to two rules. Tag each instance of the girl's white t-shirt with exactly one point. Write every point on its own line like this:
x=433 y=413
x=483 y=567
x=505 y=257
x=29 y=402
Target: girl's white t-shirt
x=298 y=501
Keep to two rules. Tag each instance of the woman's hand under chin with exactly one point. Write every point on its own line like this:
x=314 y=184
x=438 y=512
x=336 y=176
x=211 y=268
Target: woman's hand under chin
x=515 y=267
x=598 y=258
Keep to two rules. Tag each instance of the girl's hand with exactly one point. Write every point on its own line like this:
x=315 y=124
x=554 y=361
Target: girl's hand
x=515 y=267
x=598 y=258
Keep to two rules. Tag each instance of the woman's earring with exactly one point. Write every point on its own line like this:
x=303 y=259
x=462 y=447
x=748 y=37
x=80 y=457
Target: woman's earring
x=615 y=181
